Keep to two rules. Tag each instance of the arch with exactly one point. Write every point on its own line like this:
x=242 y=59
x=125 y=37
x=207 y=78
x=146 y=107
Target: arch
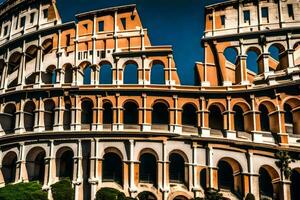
x=29 y=115
x=160 y=113
x=68 y=69
x=107 y=113
x=275 y=50
x=8 y=118
x=87 y=114
x=49 y=113
x=67 y=115
x=231 y=54
x=9 y=164
x=148 y=169
x=112 y=168
x=31 y=53
x=146 y=195
x=180 y=197
x=13 y=67
x=189 y=115
x=292 y=115
x=264 y=118
x=105 y=73
x=64 y=163
x=295 y=182
x=216 y=120
x=35 y=164
x=49 y=76
x=253 y=54
x=177 y=169
x=47 y=46
x=130 y=73
x=238 y=118
x=131 y=113
x=268 y=182
x=229 y=175
x=87 y=75
x=157 y=73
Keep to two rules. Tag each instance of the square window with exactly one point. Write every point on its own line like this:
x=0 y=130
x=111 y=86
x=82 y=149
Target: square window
x=45 y=12
x=100 y=26
x=32 y=15
x=291 y=10
x=68 y=40
x=23 y=21
x=123 y=20
x=223 y=18
x=265 y=13
x=247 y=16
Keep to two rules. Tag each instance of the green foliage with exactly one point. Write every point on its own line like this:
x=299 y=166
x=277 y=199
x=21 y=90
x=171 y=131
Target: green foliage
x=62 y=190
x=110 y=194
x=212 y=194
x=23 y=191
x=283 y=162
x=250 y=196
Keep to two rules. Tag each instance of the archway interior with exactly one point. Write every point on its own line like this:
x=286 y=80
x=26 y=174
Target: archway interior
x=225 y=176
x=160 y=114
x=189 y=115
x=131 y=113
x=295 y=182
x=215 y=118
x=9 y=164
x=265 y=184
x=148 y=169
x=176 y=168
x=66 y=164
x=112 y=168
x=35 y=165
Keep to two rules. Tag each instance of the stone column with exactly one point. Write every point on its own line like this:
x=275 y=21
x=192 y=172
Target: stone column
x=98 y=114
x=59 y=114
x=76 y=113
x=50 y=170
x=117 y=125
x=146 y=114
x=39 y=124
x=195 y=177
x=77 y=180
x=212 y=170
x=229 y=119
x=256 y=133
x=20 y=118
x=22 y=66
x=204 y=115
x=165 y=182
x=93 y=180
x=115 y=72
x=21 y=173
x=132 y=187
x=253 y=178
x=2 y=182
x=169 y=80
x=4 y=76
x=174 y=126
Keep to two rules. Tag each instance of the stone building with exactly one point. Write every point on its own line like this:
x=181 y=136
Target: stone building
x=80 y=100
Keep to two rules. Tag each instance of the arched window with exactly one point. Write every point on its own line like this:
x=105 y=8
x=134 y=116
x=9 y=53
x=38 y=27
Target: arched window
x=189 y=115
x=35 y=164
x=160 y=114
x=131 y=74
x=148 y=169
x=230 y=54
x=50 y=76
x=265 y=184
x=252 y=63
x=49 y=114
x=112 y=167
x=225 y=176
x=295 y=182
x=8 y=168
x=131 y=113
x=107 y=114
x=68 y=74
x=215 y=118
x=105 y=74
x=65 y=163
x=238 y=118
x=86 y=114
x=264 y=118
x=8 y=118
x=13 y=67
x=29 y=116
x=176 y=168
x=157 y=73
x=67 y=116
x=87 y=75
x=275 y=51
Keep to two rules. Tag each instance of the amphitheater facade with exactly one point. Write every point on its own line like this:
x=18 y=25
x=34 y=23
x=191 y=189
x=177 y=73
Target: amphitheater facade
x=94 y=101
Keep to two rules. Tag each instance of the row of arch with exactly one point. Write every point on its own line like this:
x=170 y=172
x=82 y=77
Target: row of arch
x=276 y=51
x=160 y=115
x=230 y=174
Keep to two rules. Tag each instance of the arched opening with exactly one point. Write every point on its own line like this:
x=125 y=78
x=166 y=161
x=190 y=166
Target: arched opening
x=203 y=178
x=231 y=54
x=180 y=198
x=13 y=68
x=157 y=73
x=131 y=114
x=268 y=183
x=68 y=73
x=189 y=115
x=106 y=74
x=292 y=116
x=49 y=106
x=148 y=169
x=112 y=167
x=215 y=118
x=176 y=168
x=238 y=118
x=160 y=116
x=35 y=164
x=64 y=163
x=146 y=196
x=49 y=77
x=47 y=46
x=277 y=58
x=29 y=109
x=8 y=118
x=225 y=176
x=67 y=116
x=297 y=54
x=252 y=61
x=87 y=75
x=30 y=62
x=107 y=115
x=9 y=163
x=264 y=118
x=295 y=182
x=131 y=73
x=86 y=114
x=288 y=118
